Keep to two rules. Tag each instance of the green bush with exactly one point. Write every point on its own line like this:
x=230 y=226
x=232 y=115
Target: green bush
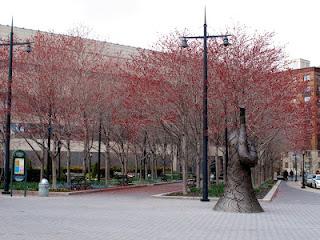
x=21 y=185
x=174 y=176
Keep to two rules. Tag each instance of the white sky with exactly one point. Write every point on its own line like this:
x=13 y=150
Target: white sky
x=141 y=22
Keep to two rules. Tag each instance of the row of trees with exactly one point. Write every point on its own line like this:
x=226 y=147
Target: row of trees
x=150 y=104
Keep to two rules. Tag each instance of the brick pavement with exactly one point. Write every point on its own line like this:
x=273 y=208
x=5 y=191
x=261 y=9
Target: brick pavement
x=294 y=214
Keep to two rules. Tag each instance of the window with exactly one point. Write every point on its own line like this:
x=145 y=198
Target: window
x=308 y=153
x=307 y=92
x=318 y=164
x=306 y=77
x=286 y=165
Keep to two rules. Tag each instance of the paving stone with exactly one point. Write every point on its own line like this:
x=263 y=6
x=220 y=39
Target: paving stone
x=134 y=214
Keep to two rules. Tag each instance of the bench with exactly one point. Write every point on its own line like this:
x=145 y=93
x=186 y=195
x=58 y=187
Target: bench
x=191 y=182
x=123 y=179
x=78 y=181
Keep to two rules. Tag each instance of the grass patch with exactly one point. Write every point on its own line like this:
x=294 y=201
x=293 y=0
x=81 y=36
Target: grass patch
x=216 y=190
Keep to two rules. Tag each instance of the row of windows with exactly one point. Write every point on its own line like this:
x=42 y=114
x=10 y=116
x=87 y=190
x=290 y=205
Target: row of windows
x=286 y=165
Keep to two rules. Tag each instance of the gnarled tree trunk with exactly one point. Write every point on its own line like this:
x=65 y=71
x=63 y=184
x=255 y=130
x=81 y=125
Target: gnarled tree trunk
x=239 y=195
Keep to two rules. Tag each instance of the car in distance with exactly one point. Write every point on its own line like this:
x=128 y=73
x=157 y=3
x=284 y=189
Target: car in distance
x=309 y=180
x=316 y=181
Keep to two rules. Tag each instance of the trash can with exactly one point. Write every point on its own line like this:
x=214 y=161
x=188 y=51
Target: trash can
x=44 y=188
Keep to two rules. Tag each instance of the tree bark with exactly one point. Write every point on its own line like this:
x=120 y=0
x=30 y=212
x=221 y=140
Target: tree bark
x=239 y=195
x=217 y=164
x=198 y=168
x=107 y=160
x=54 y=172
x=184 y=163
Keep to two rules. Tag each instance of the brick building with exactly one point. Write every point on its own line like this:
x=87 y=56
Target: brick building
x=311 y=95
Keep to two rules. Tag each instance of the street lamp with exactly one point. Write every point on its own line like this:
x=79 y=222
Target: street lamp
x=303 y=183
x=295 y=165
x=8 y=108
x=184 y=44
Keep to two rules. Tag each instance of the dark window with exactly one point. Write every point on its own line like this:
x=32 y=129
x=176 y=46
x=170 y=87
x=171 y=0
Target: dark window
x=306 y=77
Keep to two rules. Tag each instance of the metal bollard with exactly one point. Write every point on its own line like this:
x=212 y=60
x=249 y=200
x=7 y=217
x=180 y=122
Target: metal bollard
x=44 y=188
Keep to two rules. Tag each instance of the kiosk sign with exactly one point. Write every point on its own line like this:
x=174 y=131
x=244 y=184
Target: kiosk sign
x=19 y=166
x=19 y=171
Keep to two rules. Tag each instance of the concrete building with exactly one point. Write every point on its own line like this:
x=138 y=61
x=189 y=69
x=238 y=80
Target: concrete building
x=111 y=50
x=300 y=63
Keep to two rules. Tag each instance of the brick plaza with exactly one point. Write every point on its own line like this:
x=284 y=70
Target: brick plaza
x=134 y=214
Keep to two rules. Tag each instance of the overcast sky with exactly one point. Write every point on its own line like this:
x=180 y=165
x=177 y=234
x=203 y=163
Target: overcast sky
x=141 y=22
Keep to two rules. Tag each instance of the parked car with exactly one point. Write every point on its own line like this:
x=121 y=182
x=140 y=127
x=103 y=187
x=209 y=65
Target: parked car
x=309 y=180
x=316 y=181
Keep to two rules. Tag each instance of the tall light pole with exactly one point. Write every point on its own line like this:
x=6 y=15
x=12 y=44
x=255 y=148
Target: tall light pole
x=295 y=163
x=184 y=44
x=99 y=146
x=303 y=183
x=8 y=109
x=49 y=163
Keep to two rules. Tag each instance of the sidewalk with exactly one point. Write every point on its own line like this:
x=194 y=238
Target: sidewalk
x=134 y=214
x=297 y=185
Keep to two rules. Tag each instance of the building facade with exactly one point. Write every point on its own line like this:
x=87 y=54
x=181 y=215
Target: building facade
x=311 y=96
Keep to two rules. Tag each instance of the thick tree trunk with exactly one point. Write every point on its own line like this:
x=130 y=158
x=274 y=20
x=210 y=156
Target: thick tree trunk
x=155 y=168
x=184 y=164
x=42 y=163
x=136 y=165
x=152 y=166
x=172 y=161
x=141 y=170
x=107 y=160
x=217 y=164
x=54 y=173
x=239 y=195
x=198 y=168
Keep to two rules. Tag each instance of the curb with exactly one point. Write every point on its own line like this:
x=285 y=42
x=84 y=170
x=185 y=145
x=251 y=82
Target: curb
x=272 y=193
x=268 y=198
x=164 y=196
x=89 y=191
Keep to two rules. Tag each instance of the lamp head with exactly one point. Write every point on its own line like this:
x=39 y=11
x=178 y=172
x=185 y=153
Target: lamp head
x=226 y=41
x=28 y=48
x=184 y=42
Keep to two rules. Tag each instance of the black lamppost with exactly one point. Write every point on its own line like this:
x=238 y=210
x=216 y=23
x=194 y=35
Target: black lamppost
x=184 y=44
x=303 y=183
x=296 y=167
x=8 y=109
x=99 y=147
x=49 y=163
x=59 y=160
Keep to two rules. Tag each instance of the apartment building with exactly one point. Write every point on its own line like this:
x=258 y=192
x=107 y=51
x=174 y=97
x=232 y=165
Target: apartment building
x=311 y=95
